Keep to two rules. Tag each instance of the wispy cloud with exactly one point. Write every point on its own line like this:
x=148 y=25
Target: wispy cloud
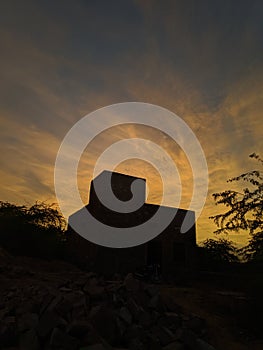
x=202 y=61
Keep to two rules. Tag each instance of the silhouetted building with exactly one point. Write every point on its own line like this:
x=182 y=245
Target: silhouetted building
x=170 y=249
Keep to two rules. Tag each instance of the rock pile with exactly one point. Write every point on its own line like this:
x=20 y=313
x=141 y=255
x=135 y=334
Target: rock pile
x=89 y=313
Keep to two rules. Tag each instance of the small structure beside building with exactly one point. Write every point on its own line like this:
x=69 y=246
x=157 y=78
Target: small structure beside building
x=171 y=250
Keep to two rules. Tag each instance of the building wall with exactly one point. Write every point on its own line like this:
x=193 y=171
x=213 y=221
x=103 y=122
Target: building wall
x=104 y=259
x=121 y=186
x=129 y=259
x=173 y=249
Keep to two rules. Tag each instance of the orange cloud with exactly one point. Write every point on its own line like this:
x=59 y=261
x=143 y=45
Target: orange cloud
x=46 y=89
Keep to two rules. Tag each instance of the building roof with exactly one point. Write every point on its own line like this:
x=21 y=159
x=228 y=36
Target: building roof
x=117 y=174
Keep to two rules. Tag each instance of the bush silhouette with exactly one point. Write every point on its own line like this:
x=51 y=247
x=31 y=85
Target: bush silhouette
x=36 y=231
x=217 y=253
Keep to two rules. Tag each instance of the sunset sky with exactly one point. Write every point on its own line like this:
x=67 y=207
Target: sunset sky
x=61 y=60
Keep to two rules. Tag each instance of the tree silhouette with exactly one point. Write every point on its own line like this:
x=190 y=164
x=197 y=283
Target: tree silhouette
x=40 y=214
x=245 y=210
x=37 y=230
x=220 y=250
x=254 y=250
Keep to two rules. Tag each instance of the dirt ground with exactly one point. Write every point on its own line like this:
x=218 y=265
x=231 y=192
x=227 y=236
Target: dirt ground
x=220 y=309
x=224 y=305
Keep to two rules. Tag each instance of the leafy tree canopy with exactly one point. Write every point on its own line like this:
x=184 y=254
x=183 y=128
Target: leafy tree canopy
x=220 y=250
x=40 y=214
x=245 y=210
x=36 y=230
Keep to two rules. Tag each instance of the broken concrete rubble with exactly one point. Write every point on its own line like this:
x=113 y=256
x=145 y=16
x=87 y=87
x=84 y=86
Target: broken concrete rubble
x=90 y=313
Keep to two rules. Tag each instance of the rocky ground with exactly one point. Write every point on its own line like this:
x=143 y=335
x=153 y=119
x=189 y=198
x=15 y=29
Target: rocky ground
x=54 y=305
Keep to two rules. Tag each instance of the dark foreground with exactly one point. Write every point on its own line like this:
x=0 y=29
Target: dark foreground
x=54 y=305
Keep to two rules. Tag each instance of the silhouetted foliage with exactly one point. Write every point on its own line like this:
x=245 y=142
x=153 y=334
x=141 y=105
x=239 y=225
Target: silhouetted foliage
x=253 y=251
x=245 y=210
x=37 y=230
x=219 y=251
